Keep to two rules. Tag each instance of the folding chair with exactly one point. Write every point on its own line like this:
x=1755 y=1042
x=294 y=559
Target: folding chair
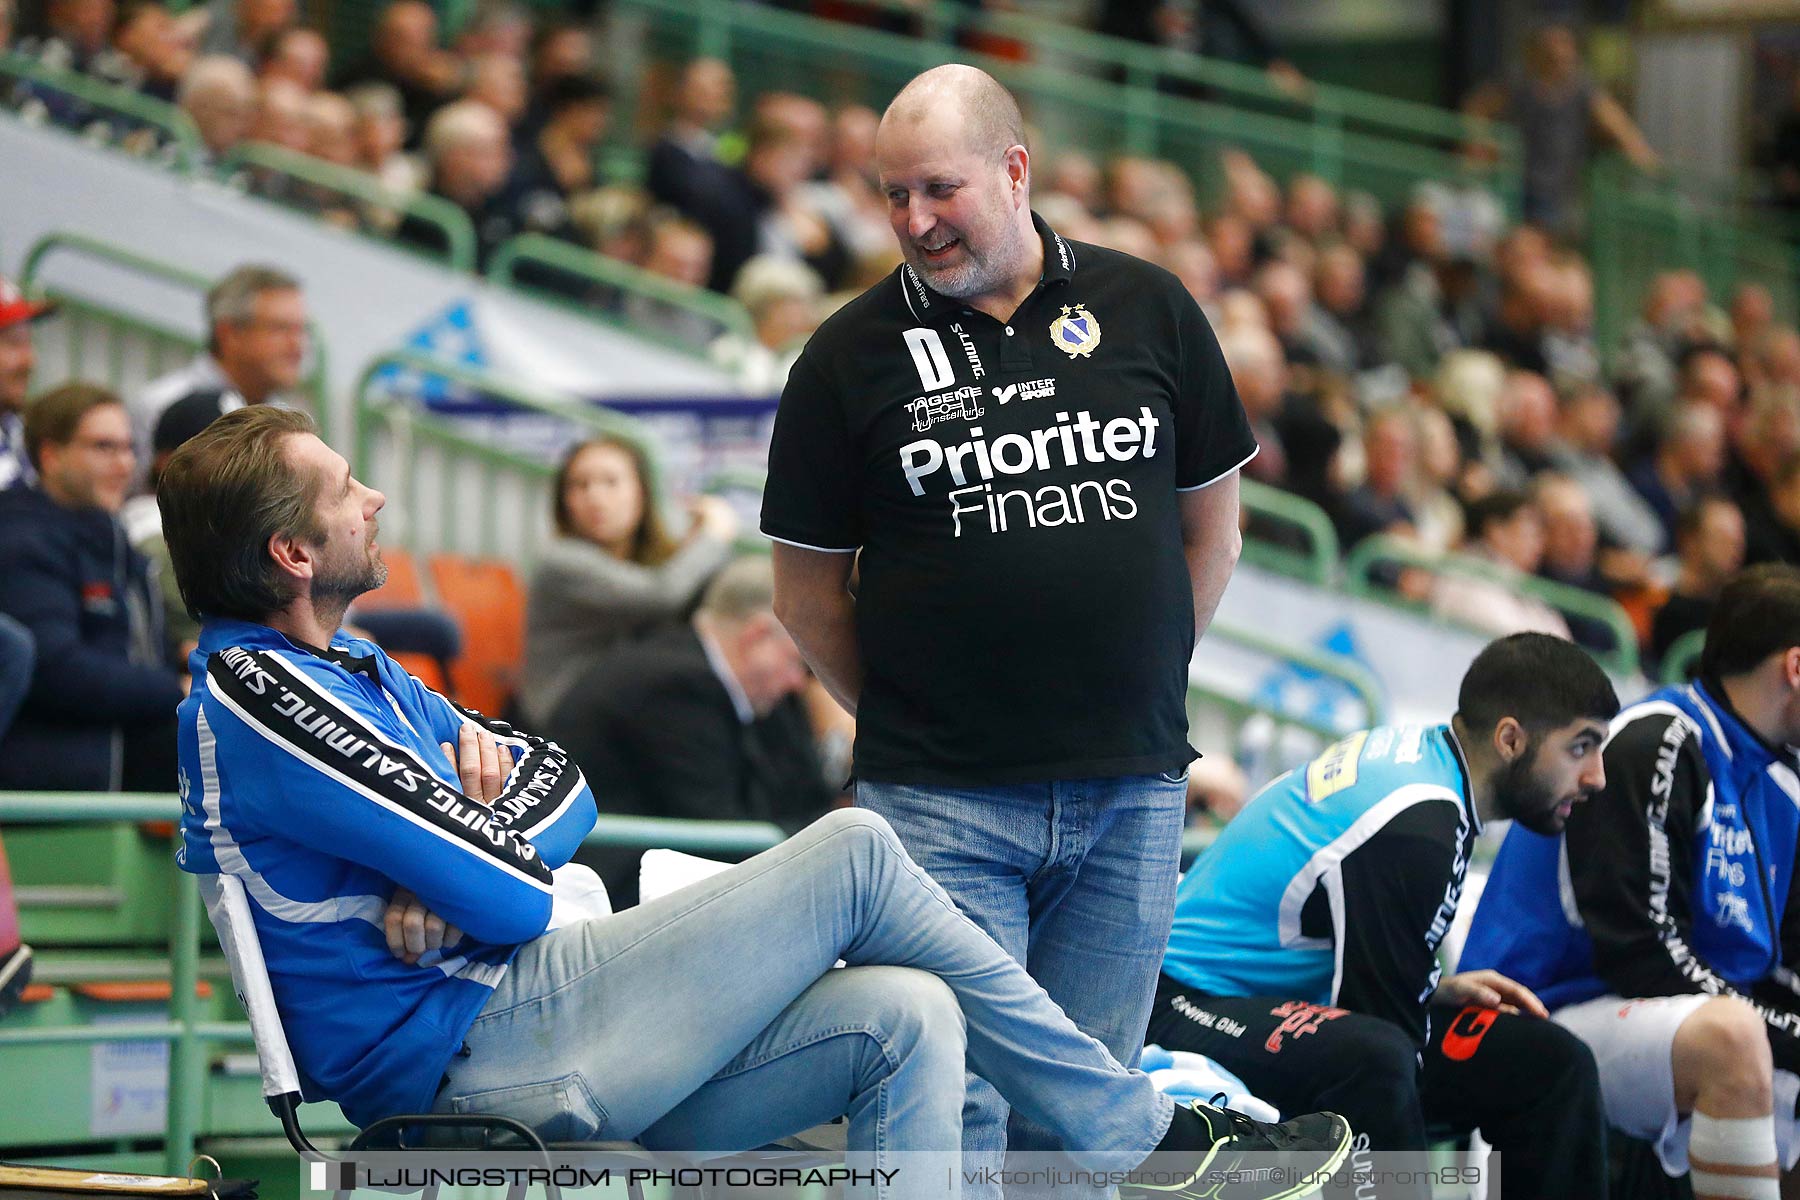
x=229 y=908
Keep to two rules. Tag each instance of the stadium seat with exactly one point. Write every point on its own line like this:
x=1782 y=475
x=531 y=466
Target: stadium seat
x=487 y=597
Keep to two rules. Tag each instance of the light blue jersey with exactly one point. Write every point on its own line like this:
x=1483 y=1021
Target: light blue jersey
x=1337 y=881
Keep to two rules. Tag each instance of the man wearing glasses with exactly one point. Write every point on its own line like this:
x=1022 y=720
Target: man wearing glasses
x=255 y=352
x=100 y=711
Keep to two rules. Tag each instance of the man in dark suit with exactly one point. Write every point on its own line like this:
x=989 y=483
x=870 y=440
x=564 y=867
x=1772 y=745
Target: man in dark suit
x=703 y=720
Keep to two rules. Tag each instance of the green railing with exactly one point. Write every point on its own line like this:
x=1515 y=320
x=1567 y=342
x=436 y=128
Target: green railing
x=1640 y=226
x=530 y=261
x=1370 y=553
x=138 y=123
x=1277 y=520
x=771 y=49
x=310 y=181
x=1681 y=661
x=106 y=343
x=471 y=474
x=1330 y=108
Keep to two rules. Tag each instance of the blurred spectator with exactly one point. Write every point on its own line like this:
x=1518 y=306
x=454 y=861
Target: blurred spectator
x=1784 y=499
x=1570 y=355
x=152 y=49
x=849 y=198
x=255 y=351
x=557 y=49
x=280 y=117
x=1224 y=29
x=1769 y=435
x=1709 y=376
x=219 y=93
x=404 y=52
x=1433 y=310
x=1075 y=175
x=1588 y=432
x=1710 y=540
x=17 y=361
x=681 y=252
x=1507 y=533
x=1437 y=516
x=1337 y=331
x=495 y=27
x=1190 y=261
x=1777 y=356
x=1217 y=787
x=557 y=165
x=77 y=35
x=1517 y=333
x=241 y=28
x=1260 y=375
x=762 y=209
x=8 y=22
x=1380 y=504
x=1557 y=105
x=499 y=82
x=1752 y=316
x=684 y=168
x=470 y=158
x=1419 y=239
x=1471 y=216
x=1365 y=228
x=1647 y=363
x=1527 y=429
x=782 y=297
x=613 y=572
x=100 y=715
x=330 y=122
x=1312 y=207
x=381 y=136
x=1287 y=297
x=1688 y=462
x=299 y=55
x=701 y=721
x=1572 y=553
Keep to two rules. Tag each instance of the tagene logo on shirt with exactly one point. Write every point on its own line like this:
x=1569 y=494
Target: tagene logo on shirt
x=1068 y=443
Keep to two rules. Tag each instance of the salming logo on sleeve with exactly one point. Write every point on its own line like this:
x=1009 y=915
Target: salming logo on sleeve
x=280 y=704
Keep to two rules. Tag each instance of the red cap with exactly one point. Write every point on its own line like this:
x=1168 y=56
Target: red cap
x=15 y=308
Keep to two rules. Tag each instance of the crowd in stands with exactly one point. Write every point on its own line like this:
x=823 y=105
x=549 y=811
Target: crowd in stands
x=1430 y=374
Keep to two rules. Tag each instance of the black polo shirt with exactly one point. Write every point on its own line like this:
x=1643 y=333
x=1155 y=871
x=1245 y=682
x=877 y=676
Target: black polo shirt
x=1024 y=610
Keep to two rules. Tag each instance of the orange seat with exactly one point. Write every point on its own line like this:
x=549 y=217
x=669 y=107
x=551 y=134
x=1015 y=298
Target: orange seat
x=135 y=991
x=488 y=598
x=403 y=588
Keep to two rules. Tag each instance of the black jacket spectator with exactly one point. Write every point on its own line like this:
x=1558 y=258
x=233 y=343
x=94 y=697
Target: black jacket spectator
x=653 y=725
x=100 y=715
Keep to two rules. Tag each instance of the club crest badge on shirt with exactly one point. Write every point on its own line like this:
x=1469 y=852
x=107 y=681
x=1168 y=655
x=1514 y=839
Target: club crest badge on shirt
x=1076 y=332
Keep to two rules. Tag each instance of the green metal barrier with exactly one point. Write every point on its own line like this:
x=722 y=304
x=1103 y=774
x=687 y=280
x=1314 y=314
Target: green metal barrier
x=311 y=176
x=1359 y=572
x=1641 y=226
x=472 y=479
x=1682 y=660
x=150 y=126
x=1330 y=108
x=523 y=262
x=1274 y=512
x=104 y=342
x=772 y=49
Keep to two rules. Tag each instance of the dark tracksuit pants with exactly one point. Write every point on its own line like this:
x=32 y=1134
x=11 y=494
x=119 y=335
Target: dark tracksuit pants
x=1529 y=1085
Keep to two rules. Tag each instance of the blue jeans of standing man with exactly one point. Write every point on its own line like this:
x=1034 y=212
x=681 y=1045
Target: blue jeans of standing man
x=710 y=1019
x=1076 y=880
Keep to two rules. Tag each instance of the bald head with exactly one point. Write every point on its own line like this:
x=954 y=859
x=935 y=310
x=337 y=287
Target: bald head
x=963 y=98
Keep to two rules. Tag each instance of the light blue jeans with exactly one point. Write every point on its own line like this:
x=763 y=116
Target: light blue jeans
x=1076 y=880
x=711 y=1019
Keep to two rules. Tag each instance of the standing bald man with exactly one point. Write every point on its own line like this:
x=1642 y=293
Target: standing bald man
x=1028 y=450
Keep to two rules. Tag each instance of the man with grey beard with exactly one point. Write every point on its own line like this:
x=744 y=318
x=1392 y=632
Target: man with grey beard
x=1027 y=449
